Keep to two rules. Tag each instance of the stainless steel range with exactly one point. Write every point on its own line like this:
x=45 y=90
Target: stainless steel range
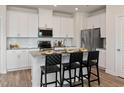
x=44 y=44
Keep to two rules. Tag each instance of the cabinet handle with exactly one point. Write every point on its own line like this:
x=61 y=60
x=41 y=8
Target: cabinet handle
x=118 y=50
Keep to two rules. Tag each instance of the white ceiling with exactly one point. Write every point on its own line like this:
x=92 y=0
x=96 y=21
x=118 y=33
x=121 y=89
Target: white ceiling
x=67 y=8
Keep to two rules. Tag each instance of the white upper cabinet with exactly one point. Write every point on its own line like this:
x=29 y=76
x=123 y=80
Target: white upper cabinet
x=45 y=18
x=90 y=23
x=56 y=26
x=67 y=26
x=62 y=26
x=13 y=23
x=93 y=22
x=103 y=24
x=97 y=21
x=32 y=25
x=22 y=24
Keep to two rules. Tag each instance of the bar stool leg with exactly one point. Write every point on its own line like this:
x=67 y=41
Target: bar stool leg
x=45 y=80
x=60 y=79
x=56 y=80
x=70 y=77
x=98 y=74
x=74 y=74
x=63 y=77
x=88 y=72
x=81 y=74
x=41 y=79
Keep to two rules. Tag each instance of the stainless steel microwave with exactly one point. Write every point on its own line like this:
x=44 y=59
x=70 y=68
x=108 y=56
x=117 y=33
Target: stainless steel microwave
x=45 y=33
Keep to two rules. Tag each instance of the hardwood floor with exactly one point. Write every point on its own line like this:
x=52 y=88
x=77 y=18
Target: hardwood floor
x=107 y=80
x=22 y=78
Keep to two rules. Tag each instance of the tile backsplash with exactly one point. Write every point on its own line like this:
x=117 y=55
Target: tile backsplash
x=33 y=42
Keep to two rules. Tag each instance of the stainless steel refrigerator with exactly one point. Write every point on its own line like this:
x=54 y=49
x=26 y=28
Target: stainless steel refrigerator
x=90 y=39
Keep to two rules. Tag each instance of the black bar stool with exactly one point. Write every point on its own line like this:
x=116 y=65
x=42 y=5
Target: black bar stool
x=75 y=62
x=93 y=59
x=52 y=65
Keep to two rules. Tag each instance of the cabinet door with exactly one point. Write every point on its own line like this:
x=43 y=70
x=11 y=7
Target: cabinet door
x=89 y=23
x=56 y=26
x=70 y=27
x=29 y=60
x=13 y=23
x=23 y=59
x=102 y=59
x=103 y=24
x=66 y=27
x=93 y=22
x=32 y=25
x=96 y=21
x=23 y=21
x=17 y=60
x=45 y=18
x=17 y=25
x=12 y=60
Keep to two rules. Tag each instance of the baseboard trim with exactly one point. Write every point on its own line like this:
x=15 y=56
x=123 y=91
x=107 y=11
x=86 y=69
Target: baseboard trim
x=111 y=72
x=16 y=69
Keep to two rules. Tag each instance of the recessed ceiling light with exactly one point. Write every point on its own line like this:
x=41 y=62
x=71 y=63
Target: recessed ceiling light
x=76 y=9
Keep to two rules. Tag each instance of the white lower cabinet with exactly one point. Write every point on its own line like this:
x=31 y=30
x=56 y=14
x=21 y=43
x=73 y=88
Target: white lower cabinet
x=17 y=59
x=102 y=58
x=11 y=60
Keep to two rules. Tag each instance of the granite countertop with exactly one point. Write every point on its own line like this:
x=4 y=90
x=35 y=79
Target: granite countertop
x=48 y=52
x=21 y=48
x=43 y=53
x=101 y=49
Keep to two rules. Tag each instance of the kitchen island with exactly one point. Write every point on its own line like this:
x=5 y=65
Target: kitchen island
x=38 y=59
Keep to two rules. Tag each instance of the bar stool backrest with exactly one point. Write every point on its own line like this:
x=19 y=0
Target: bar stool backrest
x=76 y=57
x=53 y=59
x=93 y=56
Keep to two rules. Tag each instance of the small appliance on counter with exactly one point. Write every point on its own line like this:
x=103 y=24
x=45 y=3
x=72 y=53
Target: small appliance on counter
x=58 y=43
x=44 y=44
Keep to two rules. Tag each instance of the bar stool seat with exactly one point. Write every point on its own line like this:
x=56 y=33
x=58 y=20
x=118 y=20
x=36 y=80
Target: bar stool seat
x=50 y=69
x=73 y=66
x=91 y=63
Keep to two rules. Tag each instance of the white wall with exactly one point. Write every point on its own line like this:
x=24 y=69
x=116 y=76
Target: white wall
x=3 y=40
x=80 y=22
x=111 y=12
